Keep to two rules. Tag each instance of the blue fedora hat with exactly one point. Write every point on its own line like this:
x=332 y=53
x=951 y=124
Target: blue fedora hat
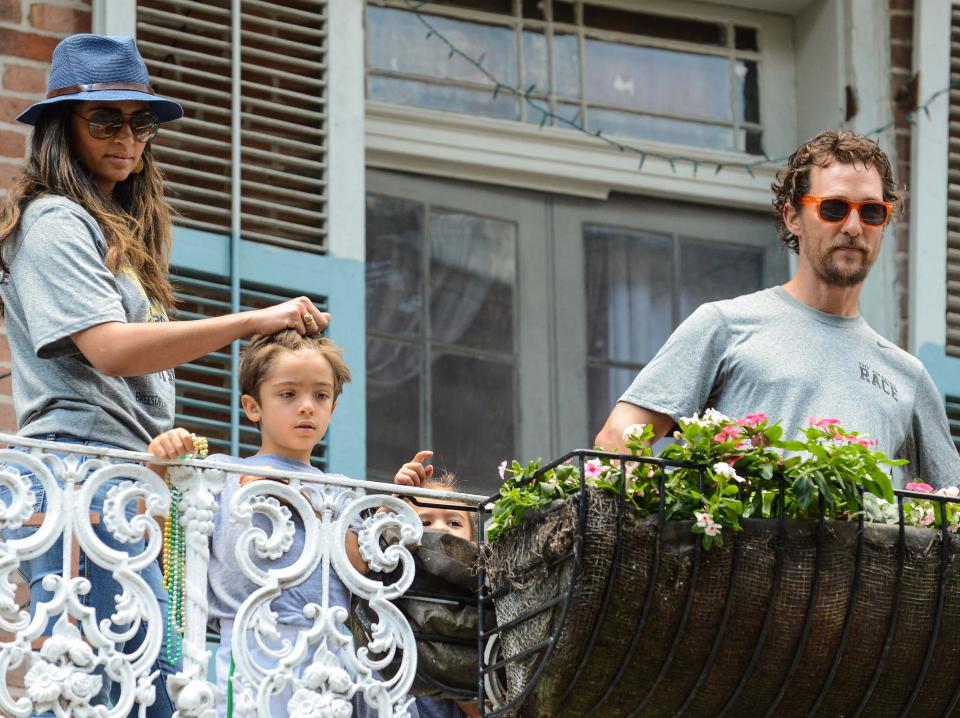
x=100 y=67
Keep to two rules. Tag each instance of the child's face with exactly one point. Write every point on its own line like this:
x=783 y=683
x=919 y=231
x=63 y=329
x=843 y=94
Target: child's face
x=448 y=520
x=295 y=404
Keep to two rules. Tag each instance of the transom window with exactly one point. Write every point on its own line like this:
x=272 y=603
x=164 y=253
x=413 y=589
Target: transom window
x=623 y=72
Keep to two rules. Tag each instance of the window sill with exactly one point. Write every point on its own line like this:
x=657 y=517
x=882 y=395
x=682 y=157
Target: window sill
x=446 y=144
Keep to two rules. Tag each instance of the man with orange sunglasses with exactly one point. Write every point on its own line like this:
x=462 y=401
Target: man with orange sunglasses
x=802 y=349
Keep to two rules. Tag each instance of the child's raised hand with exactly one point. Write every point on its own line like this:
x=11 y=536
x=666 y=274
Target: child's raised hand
x=171 y=444
x=414 y=473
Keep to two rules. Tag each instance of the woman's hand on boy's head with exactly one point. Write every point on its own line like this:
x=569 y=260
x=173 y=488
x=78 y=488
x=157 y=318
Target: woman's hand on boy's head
x=300 y=314
x=171 y=444
x=414 y=473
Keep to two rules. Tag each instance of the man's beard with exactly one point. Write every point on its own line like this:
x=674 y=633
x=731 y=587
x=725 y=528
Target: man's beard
x=838 y=273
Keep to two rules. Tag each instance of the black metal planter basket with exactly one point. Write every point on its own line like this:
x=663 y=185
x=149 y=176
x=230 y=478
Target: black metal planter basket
x=603 y=612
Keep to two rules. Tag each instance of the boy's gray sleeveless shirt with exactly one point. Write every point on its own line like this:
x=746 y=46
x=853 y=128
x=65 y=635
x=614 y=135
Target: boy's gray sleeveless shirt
x=58 y=285
x=767 y=352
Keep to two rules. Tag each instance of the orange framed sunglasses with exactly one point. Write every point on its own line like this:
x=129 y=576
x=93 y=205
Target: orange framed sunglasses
x=832 y=210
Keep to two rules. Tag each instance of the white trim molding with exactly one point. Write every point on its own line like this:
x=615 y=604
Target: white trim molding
x=928 y=181
x=514 y=154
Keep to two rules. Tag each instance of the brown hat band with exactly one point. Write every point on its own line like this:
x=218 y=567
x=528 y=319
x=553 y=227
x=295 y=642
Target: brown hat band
x=74 y=89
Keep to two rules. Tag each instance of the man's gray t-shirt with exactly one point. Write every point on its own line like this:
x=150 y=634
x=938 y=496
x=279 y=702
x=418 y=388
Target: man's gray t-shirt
x=768 y=352
x=58 y=285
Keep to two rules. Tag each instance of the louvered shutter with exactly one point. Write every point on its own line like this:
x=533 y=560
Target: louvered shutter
x=953 y=416
x=203 y=386
x=953 y=194
x=187 y=47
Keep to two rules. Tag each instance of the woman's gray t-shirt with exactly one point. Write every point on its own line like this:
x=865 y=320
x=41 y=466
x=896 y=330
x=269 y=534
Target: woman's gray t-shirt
x=767 y=352
x=58 y=285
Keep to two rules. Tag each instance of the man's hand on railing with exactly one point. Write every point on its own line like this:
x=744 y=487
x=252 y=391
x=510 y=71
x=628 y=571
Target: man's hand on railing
x=168 y=446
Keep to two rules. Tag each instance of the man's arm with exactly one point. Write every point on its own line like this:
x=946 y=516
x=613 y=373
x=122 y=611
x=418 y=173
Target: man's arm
x=623 y=415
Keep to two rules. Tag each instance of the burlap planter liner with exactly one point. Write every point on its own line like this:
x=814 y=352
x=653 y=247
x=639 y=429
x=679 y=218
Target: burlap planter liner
x=513 y=562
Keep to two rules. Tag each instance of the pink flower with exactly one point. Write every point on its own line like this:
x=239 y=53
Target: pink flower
x=869 y=443
x=728 y=433
x=927 y=518
x=592 y=468
x=712 y=529
x=752 y=420
x=822 y=423
x=948 y=491
x=919 y=486
x=503 y=470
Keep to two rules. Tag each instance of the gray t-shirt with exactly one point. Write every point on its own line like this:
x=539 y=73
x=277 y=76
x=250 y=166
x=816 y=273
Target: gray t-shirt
x=58 y=285
x=767 y=352
x=229 y=587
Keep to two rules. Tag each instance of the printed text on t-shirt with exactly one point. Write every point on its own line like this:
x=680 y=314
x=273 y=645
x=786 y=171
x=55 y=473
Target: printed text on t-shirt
x=878 y=380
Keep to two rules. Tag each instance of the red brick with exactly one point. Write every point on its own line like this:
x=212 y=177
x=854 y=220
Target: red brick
x=27 y=45
x=901 y=26
x=13 y=144
x=11 y=107
x=901 y=55
x=23 y=78
x=59 y=19
x=901 y=5
x=8 y=170
x=10 y=11
x=8 y=419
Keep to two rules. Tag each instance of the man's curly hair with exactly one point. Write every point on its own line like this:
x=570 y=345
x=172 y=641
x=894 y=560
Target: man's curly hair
x=793 y=181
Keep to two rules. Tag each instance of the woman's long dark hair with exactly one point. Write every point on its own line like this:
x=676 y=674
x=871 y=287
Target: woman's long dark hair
x=136 y=221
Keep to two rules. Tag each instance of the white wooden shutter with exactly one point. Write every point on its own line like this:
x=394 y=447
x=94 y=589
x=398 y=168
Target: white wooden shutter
x=187 y=47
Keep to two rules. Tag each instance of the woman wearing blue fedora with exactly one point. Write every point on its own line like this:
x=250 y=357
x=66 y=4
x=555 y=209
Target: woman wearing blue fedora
x=85 y=237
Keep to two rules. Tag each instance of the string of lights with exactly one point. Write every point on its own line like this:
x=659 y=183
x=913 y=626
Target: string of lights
x=643 y=154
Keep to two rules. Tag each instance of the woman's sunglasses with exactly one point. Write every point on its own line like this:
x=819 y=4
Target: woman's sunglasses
x=105 y=123
x=836 y=209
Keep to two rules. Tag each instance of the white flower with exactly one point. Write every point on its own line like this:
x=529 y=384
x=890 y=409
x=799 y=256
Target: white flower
x=81 y=687
x=949 y=491
x=503 y=469
x=489 y=507
x=715 y=417
x=703 y=518
x=722 y=468
x=81 y=654
x=712 y=529
x=633 y=430
x=42 y=682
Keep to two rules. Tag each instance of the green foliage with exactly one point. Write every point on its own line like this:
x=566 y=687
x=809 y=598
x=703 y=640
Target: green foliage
x=723 y=469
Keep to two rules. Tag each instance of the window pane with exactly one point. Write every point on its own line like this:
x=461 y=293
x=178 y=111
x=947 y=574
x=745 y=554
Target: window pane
x=661 y=129
x=650 y=25
x=714 y=271
x=472 y=275
x=535 y=63
x=442 y=97
x=629 y=293
x=748 y=92
x=745 y=38
x=393 y=404
x=566 y=65
x=472 y=418
x=393 y=266
x=396 y=42
x=652 y=79
x=605 y=385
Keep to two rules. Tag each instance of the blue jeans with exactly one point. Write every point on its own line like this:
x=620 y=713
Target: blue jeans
x=103 y=586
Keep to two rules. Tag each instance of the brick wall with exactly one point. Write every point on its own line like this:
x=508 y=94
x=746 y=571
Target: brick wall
x=904 y=96
x=28 y=33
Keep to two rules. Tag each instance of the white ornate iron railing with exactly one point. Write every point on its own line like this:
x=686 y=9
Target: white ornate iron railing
x=323 y=669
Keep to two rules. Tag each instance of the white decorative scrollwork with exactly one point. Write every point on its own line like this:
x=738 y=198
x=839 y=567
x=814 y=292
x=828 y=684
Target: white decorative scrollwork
x=66 y=675
x=320 y=668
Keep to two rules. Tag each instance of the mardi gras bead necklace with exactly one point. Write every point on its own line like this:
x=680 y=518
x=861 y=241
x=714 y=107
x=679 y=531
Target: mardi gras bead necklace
x=174 y=561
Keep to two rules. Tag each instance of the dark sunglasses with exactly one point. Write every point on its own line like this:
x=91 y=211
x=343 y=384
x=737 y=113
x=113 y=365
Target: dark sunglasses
x=836 y=209
x=106 y=123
